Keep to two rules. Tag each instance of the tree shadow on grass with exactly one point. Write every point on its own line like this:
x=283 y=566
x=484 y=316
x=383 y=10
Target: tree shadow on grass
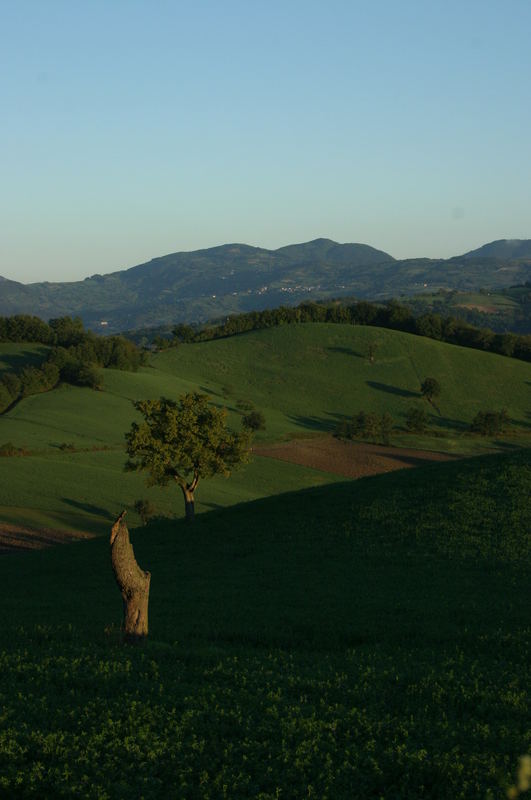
x=315 y=423
x=447 y=423
x=386 y=387
x=506 y=446
x=210 y=392
x=87 y=507
x=348 y=351
x=15 y=362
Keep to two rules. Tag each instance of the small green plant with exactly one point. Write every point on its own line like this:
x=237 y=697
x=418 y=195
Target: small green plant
x=145 y=510
x=68 y=447
x=372 y=349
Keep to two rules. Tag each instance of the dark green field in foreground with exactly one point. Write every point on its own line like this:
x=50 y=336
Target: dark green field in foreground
x=361 y=640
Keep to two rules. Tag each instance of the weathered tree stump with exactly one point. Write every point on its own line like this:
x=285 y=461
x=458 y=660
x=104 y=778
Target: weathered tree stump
x=132 y=581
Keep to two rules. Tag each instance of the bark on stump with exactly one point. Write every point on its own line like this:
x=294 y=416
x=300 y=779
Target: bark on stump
x=132 y=581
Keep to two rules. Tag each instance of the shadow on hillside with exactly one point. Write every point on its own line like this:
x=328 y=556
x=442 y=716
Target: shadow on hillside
x=15 y=362
x=320 y=423
x=506 y=446
x=87 y=507
x=449 y=424
x=386 y=387
x=16 y=538
x=210 y=392
x=347 y=351
x=313 y=423
x=523 y=422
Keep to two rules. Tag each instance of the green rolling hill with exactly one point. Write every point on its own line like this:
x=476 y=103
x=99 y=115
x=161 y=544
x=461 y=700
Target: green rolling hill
x=304 y=378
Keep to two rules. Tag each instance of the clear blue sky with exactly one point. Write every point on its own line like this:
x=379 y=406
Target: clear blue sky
x=130 y=129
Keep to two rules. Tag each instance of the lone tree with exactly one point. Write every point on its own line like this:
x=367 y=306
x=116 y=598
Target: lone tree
x=183 y=442
x=430 y=388
x=372 y=347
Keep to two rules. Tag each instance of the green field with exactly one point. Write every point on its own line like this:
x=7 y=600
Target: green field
x=14 y=357
x=315 y=374
x=310 y=637
x=368 y=639
x=304 y=378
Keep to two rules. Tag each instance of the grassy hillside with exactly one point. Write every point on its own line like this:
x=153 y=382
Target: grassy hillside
x=315 y=374
x=304 y=378
x=14 y=357
x=83 y=491
x=368 y=639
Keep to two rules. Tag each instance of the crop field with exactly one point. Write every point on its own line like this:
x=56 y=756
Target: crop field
x=364 y=639
x=352 y=460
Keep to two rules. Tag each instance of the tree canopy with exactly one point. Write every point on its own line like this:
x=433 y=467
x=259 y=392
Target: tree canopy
x=184 y=441
x=430 y=388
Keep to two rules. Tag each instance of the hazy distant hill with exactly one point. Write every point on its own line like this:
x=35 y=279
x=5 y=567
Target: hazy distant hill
x=503 y=249
x=205 y=284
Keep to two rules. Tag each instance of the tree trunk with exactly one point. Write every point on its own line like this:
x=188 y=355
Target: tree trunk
x=132 y=581
x=189 y=507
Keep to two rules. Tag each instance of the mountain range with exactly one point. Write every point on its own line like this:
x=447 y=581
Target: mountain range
x=206 y=284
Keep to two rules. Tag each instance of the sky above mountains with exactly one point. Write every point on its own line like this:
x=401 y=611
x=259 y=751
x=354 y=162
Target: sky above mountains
x=133 y=129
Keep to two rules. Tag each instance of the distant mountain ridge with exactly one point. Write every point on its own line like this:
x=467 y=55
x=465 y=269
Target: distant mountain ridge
x=204 y=284
x=503 y=249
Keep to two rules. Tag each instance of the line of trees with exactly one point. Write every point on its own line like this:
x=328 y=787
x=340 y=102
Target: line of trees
x=75 y=357
x=391 y=315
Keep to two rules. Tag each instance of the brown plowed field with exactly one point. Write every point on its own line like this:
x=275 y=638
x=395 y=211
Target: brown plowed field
x=14 y=538
x=351 y=459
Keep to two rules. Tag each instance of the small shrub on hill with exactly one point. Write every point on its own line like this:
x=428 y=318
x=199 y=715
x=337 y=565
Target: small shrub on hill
x=9 y=449
x=254 y=421
x=67 y=447
x=145 y=510
x=416 y=420
x=490 y=423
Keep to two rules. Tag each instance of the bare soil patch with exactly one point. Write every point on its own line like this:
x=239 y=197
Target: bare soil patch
x=477 y=307
x=15 y=538
x=351 y=459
